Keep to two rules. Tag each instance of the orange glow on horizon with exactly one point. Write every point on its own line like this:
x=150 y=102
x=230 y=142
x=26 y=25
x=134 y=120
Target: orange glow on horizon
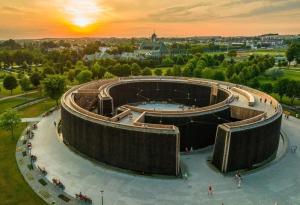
x=134 y=18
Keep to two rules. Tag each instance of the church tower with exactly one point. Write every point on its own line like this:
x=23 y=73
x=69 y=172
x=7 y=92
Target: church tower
x=154 y=37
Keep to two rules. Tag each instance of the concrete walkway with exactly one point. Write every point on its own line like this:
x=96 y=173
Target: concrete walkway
x=279 y=182
x=15 y=96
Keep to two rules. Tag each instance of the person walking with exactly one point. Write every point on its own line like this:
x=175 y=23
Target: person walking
x=239 y=182
x=210 y=190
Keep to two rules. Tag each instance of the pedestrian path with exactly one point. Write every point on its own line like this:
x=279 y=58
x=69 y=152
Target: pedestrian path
x=15 y=96
x=34 y=119
x=278 y=182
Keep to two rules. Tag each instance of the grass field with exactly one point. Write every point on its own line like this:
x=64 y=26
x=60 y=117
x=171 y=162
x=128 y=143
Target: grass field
x=287 y=73
x=4 y=92
x=13 y=188
x=277 y=52
x=10 y=103
x=292 y=74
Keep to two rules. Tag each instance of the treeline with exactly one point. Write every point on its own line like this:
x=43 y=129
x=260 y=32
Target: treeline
x=246 y=71
x=283 y=87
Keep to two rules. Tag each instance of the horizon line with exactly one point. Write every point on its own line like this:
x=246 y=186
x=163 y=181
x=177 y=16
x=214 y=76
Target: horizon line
x=140 y=37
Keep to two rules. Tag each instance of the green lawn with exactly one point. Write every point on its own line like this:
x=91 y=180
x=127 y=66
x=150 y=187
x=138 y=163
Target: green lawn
x=164 y=70
x=290 y=74
x=10 y=103
x=277 y=52
x=13 y=188
x=4 y=92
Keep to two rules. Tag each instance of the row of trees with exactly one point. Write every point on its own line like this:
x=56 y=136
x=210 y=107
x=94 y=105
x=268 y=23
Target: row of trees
x=10 y=82
x=293 y=52
x=286 y=87
x=243 y=72
x=54 y=86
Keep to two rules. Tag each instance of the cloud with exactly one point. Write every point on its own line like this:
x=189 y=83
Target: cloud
x=271 y=8
x=10 y=9
x=222 y=10
x=15 y=10
x=180 y=13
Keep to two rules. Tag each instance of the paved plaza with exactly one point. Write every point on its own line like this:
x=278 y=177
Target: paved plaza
x=278 y=182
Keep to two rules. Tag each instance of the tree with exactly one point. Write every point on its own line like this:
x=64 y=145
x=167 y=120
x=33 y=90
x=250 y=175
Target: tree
x=146 y=71
x=98 y=71
x=54 y=86
x=267 y=87
x=230 y=71
x=291 y=90
x=125 y=70
x=167 y=62
x=108 y=75
x=121 y=70
x=281 y=87
x=197 y=73
x=158 y=71
x=80 y=65
x=169 y=72
x=201 y=64
x=10 y=44
x=177 y=70
x=25 y=83
x=48 y=70
x=293 y=52
x=35 y=79
x=84 y=76
x=232 y=54
x=188 y=70
x=207 y=73
x=10 y=83
x=180 y=60
x=219 y=75
x=9 y=120
x=274 y=73
x=235 y=79
x=253 y=83
x=71 y=75
x=135 y=69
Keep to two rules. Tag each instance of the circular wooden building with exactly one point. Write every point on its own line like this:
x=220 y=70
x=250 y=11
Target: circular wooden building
x=143 y=123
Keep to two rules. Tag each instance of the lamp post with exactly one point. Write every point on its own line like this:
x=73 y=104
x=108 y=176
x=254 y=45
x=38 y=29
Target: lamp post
x=102 y=192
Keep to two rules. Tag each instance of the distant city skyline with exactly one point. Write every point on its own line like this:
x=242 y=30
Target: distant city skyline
x=135 y=18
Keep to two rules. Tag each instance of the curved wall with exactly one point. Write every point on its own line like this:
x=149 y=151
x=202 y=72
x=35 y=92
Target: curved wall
x=153 y=148
x=182 y=93
x=195 y=131
x=152 y=153
x=245 y=148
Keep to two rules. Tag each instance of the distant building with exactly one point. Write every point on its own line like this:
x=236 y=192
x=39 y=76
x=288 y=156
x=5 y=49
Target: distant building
x=152 y=49
x=280 y=59
x=97 y=56
x=130 y=55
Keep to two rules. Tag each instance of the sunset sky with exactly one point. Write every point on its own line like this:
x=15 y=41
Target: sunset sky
x=127 y=18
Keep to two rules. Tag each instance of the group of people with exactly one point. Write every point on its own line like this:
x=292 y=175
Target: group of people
x=265 y=100
x=286 y=116
x=238 y=179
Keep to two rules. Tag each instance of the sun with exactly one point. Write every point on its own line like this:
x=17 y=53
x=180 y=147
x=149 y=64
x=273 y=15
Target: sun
x=82 y=13
x=81 y=21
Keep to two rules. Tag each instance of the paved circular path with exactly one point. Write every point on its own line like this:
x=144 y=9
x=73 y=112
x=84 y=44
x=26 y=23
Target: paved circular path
x=279 y=182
